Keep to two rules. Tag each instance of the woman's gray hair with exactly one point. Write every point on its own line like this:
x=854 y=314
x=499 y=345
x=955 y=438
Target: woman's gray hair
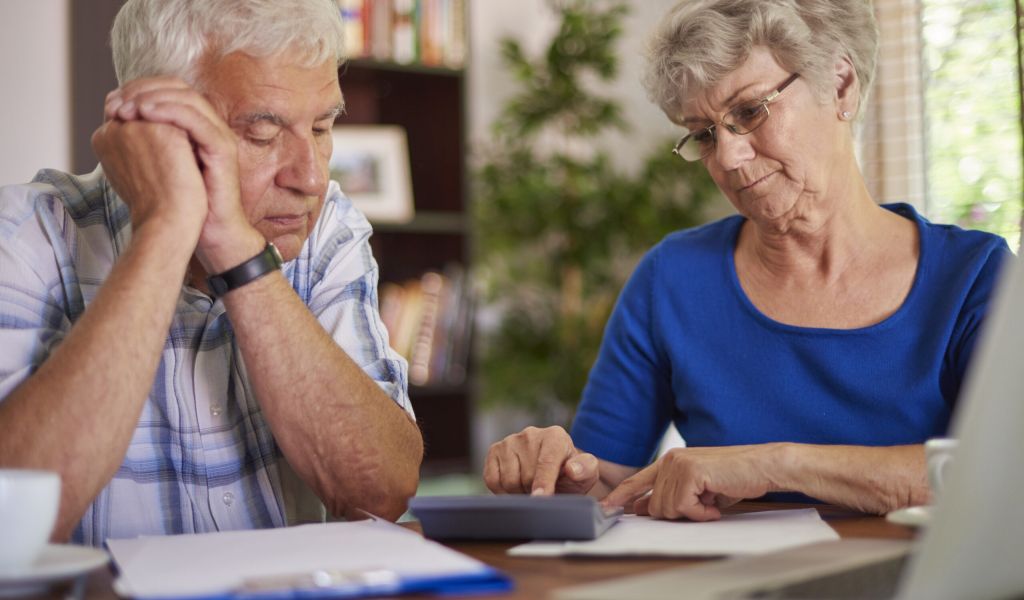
x=701 y=41
x=171 y=37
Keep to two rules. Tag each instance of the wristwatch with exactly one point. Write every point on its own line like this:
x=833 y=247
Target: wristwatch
x=266 y=261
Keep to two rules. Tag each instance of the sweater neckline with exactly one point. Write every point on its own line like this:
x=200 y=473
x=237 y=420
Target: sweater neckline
x=904 y=210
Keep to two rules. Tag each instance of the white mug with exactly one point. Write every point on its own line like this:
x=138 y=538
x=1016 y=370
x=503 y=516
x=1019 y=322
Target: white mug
x=939 y=458
x=28 y=510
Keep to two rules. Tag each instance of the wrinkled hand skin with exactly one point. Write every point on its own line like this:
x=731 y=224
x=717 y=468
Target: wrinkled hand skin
x=198 y=175
x=153 y=169
x=539 y=461
x=695 y=483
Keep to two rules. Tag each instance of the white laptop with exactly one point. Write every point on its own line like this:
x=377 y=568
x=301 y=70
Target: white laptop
x=974 y=545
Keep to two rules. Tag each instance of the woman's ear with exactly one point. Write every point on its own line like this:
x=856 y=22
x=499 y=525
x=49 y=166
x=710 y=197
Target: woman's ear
x=847 y=88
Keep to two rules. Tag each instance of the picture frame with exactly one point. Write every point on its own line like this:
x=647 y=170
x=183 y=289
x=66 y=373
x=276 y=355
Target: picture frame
x=371 y=164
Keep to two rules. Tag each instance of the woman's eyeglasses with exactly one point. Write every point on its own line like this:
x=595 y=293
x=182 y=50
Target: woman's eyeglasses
x=741 y=120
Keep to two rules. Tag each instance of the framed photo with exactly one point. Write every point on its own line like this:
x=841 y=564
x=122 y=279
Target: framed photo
x=371 y=163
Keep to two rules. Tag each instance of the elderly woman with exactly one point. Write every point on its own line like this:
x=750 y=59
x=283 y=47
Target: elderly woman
x=810 y=343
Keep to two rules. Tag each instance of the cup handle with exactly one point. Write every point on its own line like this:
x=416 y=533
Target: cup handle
x=940 y=464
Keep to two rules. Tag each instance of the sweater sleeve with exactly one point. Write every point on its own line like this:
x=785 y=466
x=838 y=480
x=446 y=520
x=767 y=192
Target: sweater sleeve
x=627 y=404
x=977 y=303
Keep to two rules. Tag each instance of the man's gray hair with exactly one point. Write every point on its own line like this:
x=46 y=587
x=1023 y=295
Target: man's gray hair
x=171 y=37
x=701 y=41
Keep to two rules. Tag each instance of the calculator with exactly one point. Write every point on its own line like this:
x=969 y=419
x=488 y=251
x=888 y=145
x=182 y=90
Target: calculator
x=513 y=517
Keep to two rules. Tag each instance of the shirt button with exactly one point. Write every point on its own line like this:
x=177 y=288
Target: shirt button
x=229 y=498
x=215 y=410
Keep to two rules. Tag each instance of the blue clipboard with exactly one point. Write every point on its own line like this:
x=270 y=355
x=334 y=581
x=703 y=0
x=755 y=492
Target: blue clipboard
x=351 y=559
x=362 y=584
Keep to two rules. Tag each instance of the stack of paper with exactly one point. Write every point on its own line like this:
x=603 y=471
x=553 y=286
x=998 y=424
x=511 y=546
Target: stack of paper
x=337 y=560
x=748 y=533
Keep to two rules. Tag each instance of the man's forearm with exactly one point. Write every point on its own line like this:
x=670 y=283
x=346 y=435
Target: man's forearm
x=350 y=442
x=76 y=413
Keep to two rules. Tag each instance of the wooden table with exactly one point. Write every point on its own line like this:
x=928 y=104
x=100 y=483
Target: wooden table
x=535 y=578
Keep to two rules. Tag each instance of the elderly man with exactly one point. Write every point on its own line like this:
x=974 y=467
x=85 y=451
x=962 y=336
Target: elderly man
x=190 y=334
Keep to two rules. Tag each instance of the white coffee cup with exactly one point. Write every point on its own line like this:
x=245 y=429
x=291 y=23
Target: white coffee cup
x=939 y=457
x=28 y=511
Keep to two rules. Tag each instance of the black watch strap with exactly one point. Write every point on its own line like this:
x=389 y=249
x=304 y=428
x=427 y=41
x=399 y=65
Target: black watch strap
x=266 y=261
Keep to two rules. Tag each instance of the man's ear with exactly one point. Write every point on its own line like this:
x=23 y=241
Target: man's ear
x=847 y=88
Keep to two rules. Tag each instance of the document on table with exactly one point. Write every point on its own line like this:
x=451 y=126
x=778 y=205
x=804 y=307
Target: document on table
x=747 y=533
x=347 y=559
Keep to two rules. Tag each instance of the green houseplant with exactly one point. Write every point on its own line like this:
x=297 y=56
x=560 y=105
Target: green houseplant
x=559 y=227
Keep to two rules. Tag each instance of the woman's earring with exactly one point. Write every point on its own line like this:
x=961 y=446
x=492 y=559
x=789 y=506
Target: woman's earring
x=846 y=115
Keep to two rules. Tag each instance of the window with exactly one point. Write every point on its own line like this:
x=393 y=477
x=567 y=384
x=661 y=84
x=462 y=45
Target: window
x=972 y=114
x=942 y=129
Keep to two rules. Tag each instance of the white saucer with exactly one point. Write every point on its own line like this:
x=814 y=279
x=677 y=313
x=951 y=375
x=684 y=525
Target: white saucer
x=912 y=516
x=57 y=562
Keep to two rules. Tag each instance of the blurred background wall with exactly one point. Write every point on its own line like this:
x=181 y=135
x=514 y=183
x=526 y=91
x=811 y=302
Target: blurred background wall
x=35 y=105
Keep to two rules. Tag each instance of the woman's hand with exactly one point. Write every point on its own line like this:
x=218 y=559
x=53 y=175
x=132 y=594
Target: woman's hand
x=539 y=461
x=696 y=483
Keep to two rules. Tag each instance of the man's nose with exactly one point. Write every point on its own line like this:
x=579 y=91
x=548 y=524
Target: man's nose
x=304 y=170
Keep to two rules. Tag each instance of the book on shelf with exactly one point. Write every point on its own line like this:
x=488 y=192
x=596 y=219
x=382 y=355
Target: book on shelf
x=404 y=27
x=429 y=322
x=352 y=24
x=430 y=286
x=427 y=32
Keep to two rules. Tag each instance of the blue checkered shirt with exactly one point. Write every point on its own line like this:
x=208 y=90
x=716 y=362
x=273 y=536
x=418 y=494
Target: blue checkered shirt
x=202 y=457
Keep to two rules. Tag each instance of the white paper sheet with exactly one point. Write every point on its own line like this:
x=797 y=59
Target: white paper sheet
x=219 y=563
x=748 y=533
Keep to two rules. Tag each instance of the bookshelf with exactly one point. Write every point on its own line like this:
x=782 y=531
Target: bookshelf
x=428 y=102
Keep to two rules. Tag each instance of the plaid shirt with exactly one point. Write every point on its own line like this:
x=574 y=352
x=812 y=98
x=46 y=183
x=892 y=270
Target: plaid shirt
x=202 y=457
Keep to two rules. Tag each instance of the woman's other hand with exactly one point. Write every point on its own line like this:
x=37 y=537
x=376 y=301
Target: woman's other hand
x=540 y=462
x=696 y=483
